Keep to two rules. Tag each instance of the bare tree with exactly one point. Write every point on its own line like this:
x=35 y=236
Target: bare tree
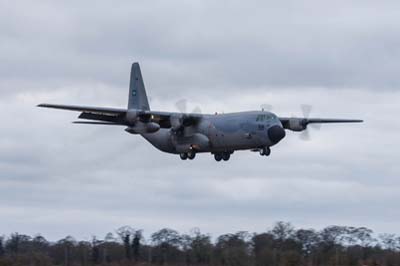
x=96 y=250
x=125 y=233
x=362 y=236
x=281 y=246
x=17 y=243
x=167 y=242
x=136 y=244
x=309 y=239
x=234 y=249
x=388 y=241
x=282 y=231
x=67 y=243
x=39 y=243
x=2 y=246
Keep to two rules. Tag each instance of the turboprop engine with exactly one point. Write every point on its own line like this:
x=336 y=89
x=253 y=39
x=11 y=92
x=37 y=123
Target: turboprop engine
x=143 y=128
x=297 y=124
x=139 y=124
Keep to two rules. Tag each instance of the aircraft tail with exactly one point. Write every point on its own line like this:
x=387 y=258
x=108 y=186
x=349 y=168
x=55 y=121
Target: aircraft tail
x=137 y=92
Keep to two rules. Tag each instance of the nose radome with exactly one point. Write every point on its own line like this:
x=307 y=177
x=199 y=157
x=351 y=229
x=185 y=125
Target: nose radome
x=276 y=134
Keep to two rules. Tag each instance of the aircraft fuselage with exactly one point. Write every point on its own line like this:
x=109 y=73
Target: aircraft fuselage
x=222 y=133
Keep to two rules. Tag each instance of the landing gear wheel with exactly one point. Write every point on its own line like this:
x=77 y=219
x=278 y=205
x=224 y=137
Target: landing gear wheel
x=191 y=155
x=183 y=156
x=226 y=156
x=266 y=151
x=218 y=157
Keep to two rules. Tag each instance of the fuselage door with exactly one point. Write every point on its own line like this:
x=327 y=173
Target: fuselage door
x=215 y=136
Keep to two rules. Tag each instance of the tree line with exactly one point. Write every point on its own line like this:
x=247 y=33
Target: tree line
x=282 y=245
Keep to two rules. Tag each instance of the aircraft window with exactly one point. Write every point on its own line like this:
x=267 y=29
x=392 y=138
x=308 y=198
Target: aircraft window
x=261 y=117
x=271 y=117
x=265 y=117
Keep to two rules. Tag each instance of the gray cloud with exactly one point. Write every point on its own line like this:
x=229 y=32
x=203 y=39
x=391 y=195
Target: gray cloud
x=58 y=179
x=204 y=44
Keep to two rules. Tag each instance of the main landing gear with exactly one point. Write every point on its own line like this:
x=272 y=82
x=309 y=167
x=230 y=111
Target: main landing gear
x=222 y=156
x=266 y=151
x=188 y=155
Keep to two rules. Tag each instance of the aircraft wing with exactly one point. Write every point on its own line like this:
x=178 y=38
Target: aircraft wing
x=306 y=121
x=95 y=110
x=117 y=115
x=322 y=120
x=168 y=119
x=105 y=114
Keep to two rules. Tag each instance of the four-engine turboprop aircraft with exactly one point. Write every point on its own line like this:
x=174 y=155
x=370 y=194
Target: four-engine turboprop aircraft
x=187 y=134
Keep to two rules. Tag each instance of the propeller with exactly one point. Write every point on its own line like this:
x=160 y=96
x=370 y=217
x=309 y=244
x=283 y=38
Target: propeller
x=181 y=105
x=183 y=119
x=305 y=134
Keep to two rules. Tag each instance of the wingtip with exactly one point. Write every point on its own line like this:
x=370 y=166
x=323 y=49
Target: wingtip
x=356 y=121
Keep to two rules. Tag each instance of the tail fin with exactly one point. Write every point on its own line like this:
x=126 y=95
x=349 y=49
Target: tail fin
x=137 y=92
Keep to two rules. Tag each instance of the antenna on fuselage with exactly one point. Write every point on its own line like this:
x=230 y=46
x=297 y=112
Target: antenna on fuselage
x=266 y=107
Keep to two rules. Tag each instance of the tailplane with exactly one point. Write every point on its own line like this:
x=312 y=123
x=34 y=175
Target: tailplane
x=137 y=92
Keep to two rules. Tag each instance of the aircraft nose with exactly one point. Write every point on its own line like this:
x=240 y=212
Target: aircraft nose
x=276 y=134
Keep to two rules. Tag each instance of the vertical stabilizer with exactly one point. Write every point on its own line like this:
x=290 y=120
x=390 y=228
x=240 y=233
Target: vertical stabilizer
x=137 y=93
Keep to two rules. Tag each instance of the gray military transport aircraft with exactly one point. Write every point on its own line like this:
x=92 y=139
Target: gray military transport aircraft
x=187 y=134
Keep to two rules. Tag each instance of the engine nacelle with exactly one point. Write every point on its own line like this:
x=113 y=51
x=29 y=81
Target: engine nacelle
x=297 y=124
x=197 y=141
x=143 y=128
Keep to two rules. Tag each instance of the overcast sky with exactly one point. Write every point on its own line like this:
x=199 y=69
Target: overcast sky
x=342 y=57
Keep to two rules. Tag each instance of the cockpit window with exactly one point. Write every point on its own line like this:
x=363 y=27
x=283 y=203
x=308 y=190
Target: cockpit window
x=264 y=117
x=260 y=118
